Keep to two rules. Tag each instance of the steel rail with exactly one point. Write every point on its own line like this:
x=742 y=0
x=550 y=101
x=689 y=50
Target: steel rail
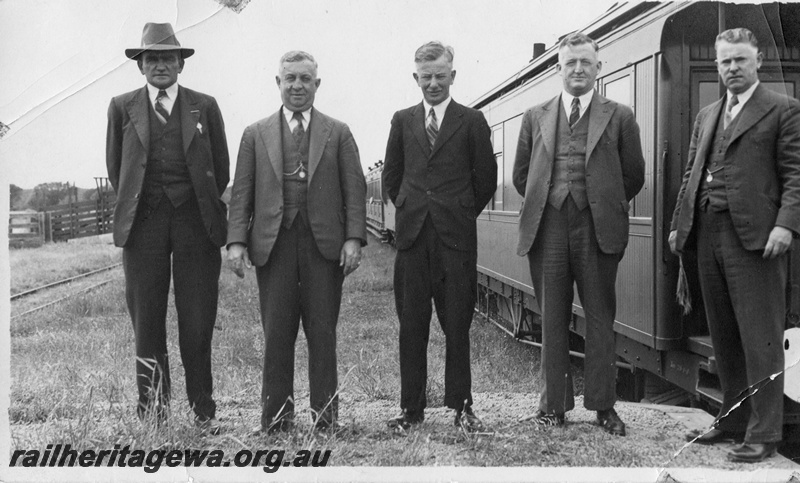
x=64 y=281
x=48 y=304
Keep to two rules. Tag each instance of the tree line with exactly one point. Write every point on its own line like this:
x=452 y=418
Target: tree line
x=47 y=194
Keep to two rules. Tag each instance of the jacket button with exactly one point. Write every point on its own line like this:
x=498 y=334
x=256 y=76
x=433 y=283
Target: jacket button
x=209 y=174
x=428 y=192
x=136 y=196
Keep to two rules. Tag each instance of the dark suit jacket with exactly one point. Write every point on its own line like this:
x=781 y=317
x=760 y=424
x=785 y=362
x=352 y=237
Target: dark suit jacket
x=763 y=180
x=336 y=187
x=452 y=182
x=204 y=143
x=614 y=169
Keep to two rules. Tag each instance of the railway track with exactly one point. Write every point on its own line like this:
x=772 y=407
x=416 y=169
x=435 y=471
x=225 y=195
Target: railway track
x=50 y=294
x=64 y=281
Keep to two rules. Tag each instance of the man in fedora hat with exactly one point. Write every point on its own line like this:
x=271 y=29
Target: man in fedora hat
x=167 y=160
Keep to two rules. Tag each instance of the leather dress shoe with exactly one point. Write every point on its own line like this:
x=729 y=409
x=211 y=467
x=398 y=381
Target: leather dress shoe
x=405 y=420
x=208 y=425
x=548 y=419
x=752 y=452
x=610 y=422
x=714 y=436
x=469 y=422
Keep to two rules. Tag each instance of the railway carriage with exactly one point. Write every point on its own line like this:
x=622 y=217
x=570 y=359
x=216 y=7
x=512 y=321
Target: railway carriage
x=658 y=58
x=380 y=210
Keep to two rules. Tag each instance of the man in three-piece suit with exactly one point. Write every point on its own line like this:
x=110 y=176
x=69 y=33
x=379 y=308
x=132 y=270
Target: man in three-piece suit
x=739 y=207
x=440 y=172
x=298 y=213
x=167 y=160
x=578 y=164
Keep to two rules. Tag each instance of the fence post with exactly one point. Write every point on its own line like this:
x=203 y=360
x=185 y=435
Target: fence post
x=48 y=223
x=40 y=219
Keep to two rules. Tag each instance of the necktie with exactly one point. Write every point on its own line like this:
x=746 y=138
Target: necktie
x=732 y=102
x=575 y=113
x=432 y=129
x=298 y=132
x=161 y=111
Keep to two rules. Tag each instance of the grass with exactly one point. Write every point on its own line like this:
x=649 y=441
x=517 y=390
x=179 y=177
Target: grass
x=72 y=371
x=34 y=267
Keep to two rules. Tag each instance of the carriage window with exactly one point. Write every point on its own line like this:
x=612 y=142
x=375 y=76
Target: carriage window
x=497 y=142
x=511 y=199
x=619 y=90
x=785 y=88
x=708 y=92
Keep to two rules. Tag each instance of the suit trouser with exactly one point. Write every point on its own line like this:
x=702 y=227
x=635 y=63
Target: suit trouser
x=163 y=240
x=565 y=253
x=298 y=283
x=431 y=269
x=745 y=302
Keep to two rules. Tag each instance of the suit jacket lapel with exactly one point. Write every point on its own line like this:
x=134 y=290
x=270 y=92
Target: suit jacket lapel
x=756 y=108
x=270 y=133
x=600 y=112
x=138 y=111
x=320 y=131
x=190 y=117
x=452 y=121
x=418 y=126
x=548 y=125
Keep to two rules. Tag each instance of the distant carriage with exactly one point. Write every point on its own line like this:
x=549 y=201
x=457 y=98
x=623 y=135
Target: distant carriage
x=658 y=58
x=380 y=210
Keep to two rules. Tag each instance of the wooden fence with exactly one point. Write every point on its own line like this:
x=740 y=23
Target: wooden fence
x=82 y=219
x=26 y=229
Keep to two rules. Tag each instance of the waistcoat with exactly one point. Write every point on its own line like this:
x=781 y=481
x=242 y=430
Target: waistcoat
x=712 y=194
x=167 y=172
x=295 y=188
x=569 y=165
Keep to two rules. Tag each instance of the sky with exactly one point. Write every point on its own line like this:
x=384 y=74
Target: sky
x=63 y=60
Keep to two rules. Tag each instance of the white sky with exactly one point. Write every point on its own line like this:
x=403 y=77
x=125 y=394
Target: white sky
x=62 y=61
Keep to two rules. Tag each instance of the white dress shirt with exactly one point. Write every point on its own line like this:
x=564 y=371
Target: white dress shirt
x=440 y=110
x=566 y=100
x=289 y=115
x=743 y=98
x=167 y=102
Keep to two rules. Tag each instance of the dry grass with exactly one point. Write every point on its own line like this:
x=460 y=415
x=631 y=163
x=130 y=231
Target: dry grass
x=73 y=382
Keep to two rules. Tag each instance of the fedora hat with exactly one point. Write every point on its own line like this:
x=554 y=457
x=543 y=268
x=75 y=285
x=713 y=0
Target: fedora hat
x=158 y=36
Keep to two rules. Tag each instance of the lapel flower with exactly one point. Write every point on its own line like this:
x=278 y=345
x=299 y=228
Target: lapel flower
x=196 y=114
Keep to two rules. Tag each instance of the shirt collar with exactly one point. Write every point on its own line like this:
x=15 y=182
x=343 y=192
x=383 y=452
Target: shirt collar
x=440 y=109
x=290 y=114
x=746 y=95
x=586 y=99
x=172 y=92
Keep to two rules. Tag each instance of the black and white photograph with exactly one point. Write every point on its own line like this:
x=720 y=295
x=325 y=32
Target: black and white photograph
x=412 y=240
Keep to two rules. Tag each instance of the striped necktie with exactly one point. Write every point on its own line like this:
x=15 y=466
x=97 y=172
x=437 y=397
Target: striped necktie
x=298 y=132
x=732 y=102
x=432 y=129
x=161 y=111
x=575 y=113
